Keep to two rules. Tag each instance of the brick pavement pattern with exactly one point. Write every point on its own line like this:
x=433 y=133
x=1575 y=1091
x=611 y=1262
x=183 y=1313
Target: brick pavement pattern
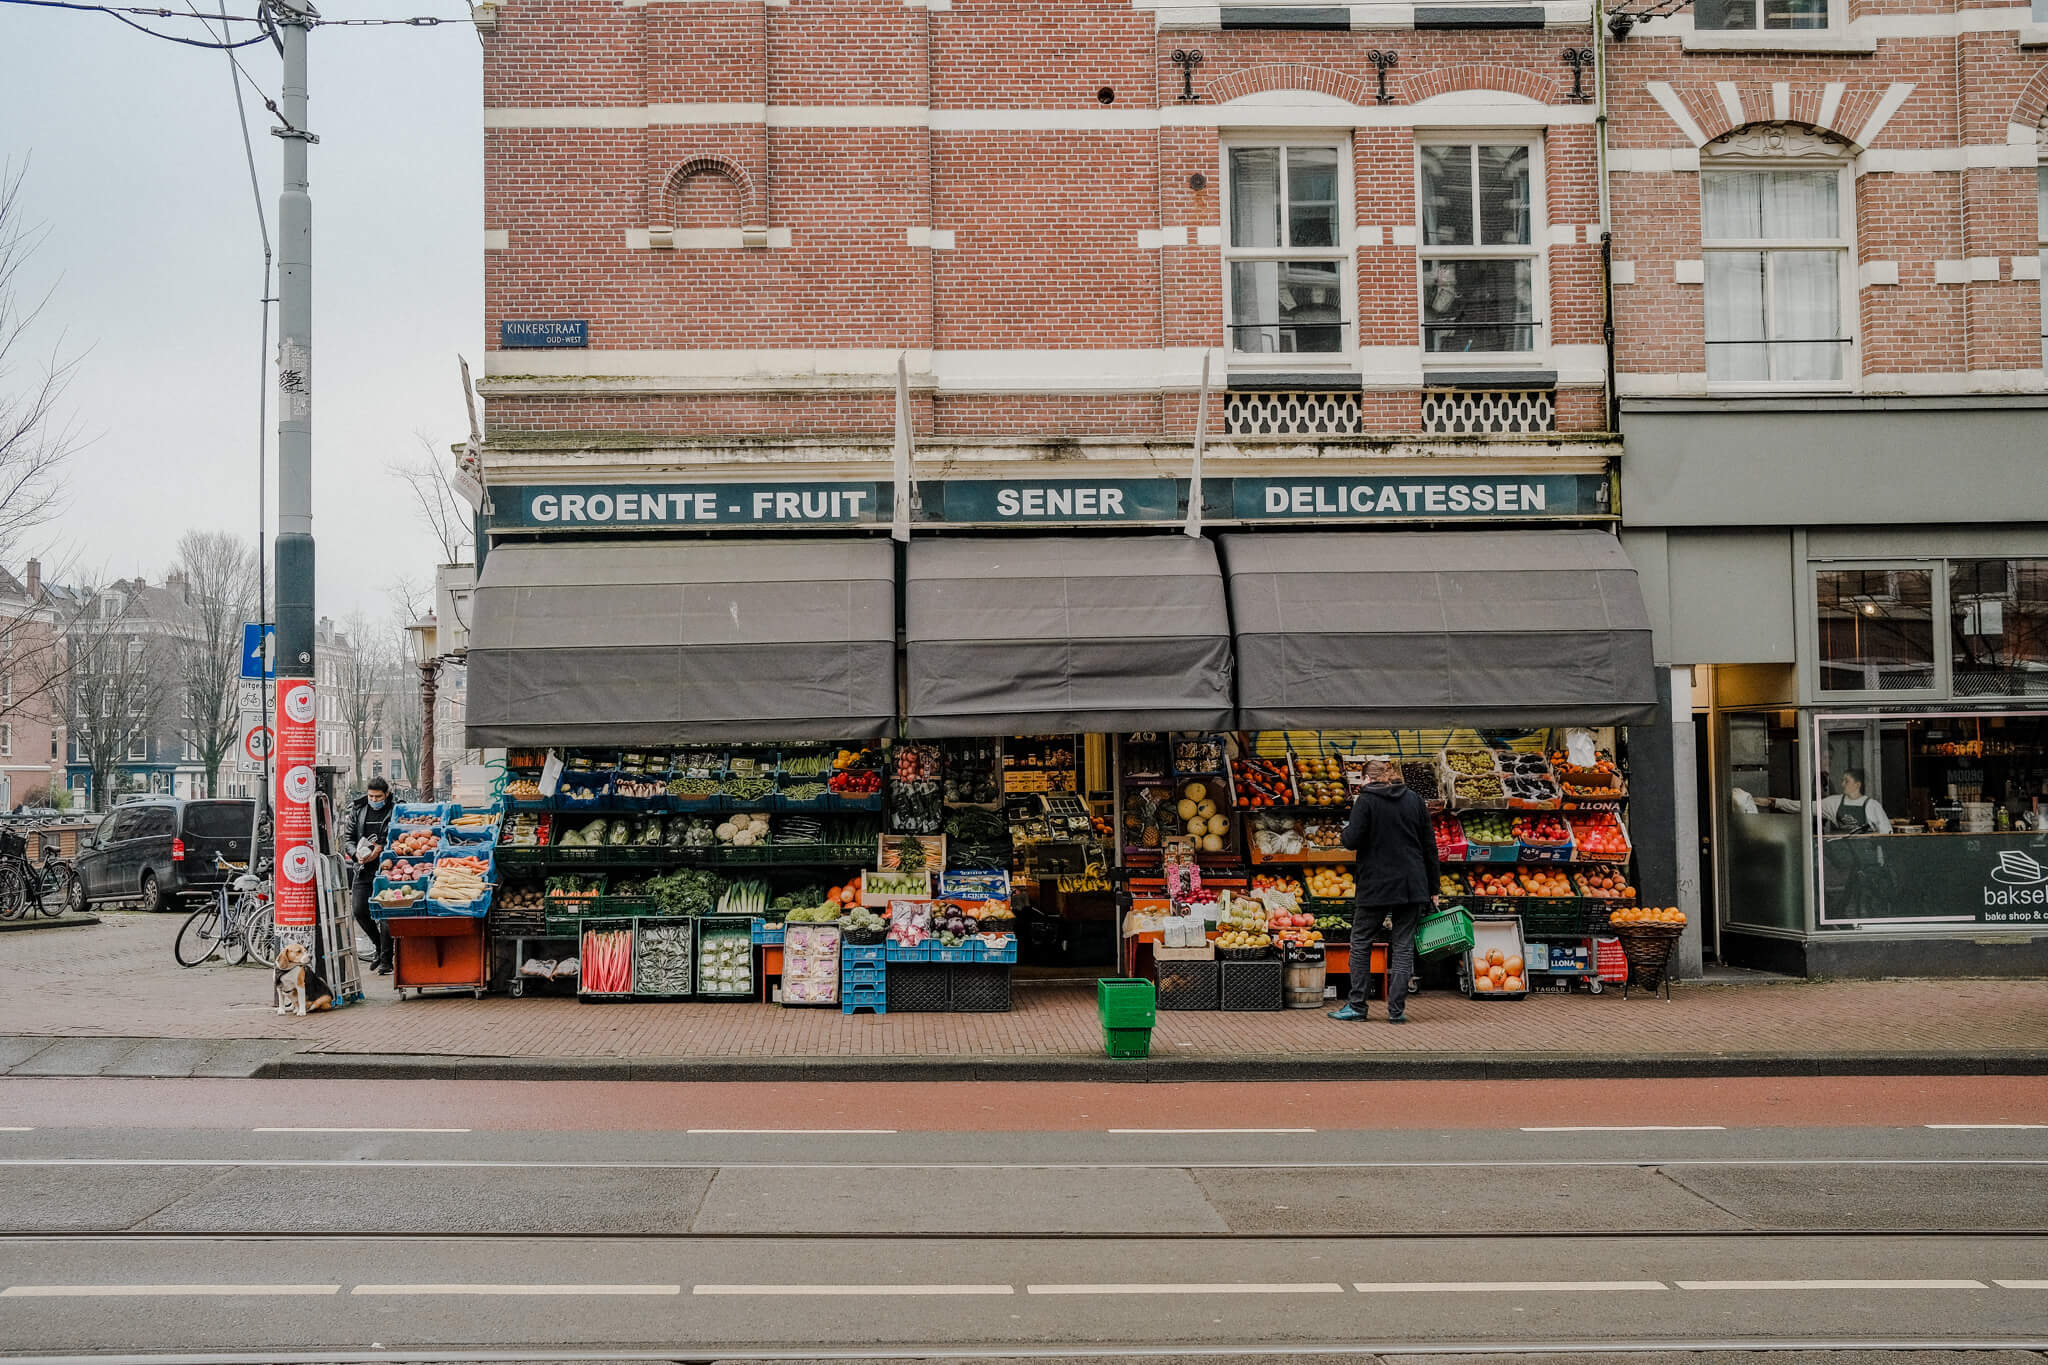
x=118 y=980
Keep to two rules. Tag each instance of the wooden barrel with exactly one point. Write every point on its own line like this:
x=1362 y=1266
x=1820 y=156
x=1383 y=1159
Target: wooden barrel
x=1303 y=985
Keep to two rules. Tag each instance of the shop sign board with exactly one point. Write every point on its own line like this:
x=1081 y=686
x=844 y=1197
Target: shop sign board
x=561 y=332
x=1992 y=880
x=1055 y=501
x=297 y=897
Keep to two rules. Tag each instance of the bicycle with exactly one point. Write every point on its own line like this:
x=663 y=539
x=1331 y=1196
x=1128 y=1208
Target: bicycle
x=60 y=884
x=23 y=883
x=239 y=924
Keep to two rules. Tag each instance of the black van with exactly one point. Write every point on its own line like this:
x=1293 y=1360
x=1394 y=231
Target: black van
x=161 y=850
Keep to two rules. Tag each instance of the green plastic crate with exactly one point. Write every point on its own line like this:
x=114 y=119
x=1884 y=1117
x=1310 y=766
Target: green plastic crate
x=1126 y=1003
x=1449 y=932
x=1127 y=1042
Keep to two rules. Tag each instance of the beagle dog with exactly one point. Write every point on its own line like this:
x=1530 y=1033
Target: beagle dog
x=296 y=986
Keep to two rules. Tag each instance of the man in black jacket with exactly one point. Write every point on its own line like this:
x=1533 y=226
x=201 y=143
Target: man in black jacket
x=1397 y=880
x=363 y=839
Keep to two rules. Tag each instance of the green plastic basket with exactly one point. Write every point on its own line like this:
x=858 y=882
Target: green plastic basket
x=1127 y=1042
x=1449 y=932
x=1126 y=1003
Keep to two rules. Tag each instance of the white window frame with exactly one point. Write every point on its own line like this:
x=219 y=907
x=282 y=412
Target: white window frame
x=140 y=742
x=1345 y=357
x=1848 y=304
x=1836 y=16
x=1536 y=249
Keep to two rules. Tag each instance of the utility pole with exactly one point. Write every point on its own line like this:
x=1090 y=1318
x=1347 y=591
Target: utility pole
x=297 y=893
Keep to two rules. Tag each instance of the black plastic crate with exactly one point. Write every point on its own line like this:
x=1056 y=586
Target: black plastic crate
x=1190 y=985
x=980 y=988
x=919 y=988
x=1251 y=985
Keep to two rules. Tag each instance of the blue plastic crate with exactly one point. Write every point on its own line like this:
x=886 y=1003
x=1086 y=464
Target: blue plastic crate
x=871 y=802
x=768 y=933
x=857 y=978
x=861 y=952
x=962 y=954
x=1548 y=853
x=920 y=953
x=1006 y=953
x=599 y=784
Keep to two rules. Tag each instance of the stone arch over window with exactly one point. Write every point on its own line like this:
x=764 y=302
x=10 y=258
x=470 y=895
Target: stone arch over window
x=710 y=192
x=1461 y=76
x=1782 y=142
x=1259 y=80
x=2030 y=110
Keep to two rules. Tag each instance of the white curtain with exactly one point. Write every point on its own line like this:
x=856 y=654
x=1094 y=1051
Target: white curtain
x=1773 y=296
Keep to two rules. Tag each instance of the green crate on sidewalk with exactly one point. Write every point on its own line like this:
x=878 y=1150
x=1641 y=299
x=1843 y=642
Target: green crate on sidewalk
x=1126 y=1002
x=1127 y=1042
x=1449 y=932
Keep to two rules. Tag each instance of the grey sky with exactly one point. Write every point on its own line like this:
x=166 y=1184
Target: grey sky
x=137 y=173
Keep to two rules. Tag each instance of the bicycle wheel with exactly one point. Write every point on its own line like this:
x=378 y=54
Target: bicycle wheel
x=62 y=889
x=259 y=931
x=199 y=937
x=14 y=897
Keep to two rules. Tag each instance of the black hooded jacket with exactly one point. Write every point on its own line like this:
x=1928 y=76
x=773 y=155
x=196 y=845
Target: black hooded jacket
x=1390 y=829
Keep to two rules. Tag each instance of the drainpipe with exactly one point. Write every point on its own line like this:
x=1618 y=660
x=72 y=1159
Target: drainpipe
x=1606 y=219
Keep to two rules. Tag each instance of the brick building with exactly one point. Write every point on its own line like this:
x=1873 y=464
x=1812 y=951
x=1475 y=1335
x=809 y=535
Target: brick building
x=1828 y=230
x=714 y=231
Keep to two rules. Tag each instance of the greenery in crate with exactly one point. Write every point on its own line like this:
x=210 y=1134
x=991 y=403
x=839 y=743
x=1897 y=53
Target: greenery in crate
x=689 y=891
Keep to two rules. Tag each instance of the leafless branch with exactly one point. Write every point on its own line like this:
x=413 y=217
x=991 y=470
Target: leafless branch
x=437 y=505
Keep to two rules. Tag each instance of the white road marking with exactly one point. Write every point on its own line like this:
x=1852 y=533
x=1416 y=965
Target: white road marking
x=789 y=1132
x=802 y=1291
x=1550 y=1164
x=1225 y=1132
x=2021 y=1284
x=1511 y=1287
x=95 y=1291
x=1981 y=1127
x=1635 y=1128
x=1217 y=1289
x=17 y=1130
x=528 y=1289
x=1830 y=1284
x=359 y=1130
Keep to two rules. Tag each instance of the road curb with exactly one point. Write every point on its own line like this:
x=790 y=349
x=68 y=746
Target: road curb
x=1403 y=1067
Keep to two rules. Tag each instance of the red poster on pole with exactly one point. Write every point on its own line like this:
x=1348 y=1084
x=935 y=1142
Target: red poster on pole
x=297 y=747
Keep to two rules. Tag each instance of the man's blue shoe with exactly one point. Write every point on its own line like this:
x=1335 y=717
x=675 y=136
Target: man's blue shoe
x=1347 y=1015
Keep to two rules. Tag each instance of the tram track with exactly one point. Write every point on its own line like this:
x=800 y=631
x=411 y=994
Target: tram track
x=1495 y=1236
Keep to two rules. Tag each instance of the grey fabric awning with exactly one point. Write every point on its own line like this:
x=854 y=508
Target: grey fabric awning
x=1065 y=635
x=1501 y=629
x=659 y=643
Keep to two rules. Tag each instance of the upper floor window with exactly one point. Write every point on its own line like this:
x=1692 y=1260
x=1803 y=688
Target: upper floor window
x=1771 y=15
x=1286 y=258
x=1481 y=266
x=1776 y=244
x=1876 y=628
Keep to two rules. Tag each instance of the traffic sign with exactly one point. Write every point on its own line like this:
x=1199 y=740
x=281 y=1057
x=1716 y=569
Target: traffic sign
x=256 y=738
x=259 y=649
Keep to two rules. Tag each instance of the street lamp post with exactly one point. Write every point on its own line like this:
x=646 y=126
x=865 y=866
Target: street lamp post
x=424 y=635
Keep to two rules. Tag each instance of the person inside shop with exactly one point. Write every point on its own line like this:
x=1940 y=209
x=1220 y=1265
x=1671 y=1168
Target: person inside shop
x=1397 y=881
x=368 y=829
x=1850 y=811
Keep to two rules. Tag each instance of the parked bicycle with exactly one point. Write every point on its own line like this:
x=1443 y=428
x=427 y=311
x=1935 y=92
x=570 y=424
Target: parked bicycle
x=239 y=924
x=28 y=888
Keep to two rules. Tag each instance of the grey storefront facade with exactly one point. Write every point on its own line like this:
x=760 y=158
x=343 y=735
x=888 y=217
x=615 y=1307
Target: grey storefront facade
x=1850 y=597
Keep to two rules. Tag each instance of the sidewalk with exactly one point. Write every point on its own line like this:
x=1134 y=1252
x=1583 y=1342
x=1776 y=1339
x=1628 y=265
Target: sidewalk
x=108 y=999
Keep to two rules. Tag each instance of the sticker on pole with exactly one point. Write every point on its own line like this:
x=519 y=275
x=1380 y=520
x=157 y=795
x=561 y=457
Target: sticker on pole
x=298 y=865
x=298 y=785
x=298 y=702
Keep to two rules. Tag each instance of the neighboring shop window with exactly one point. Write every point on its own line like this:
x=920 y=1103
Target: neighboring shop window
x=1775 y=246
x=1286 y=257
x=1481 y=266
x=1876 y=629
x=1998 y=627
x=1770 y=15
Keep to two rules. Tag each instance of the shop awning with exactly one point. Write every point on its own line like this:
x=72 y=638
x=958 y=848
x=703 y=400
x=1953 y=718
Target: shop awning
x=653 y=644
x=1503 y=629
x=1065 y=635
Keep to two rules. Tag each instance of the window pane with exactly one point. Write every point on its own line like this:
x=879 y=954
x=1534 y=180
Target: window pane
x=1734 y=205
x=1723 y=14
x=1312 y=196
x=1998 y=627
x=1504 y=195
x=1795 y=13
x=1806 y=301
x=1801 y=205
x=1478 y=305
x=1876 y=629
x=1278 y=307
x=1255 y=196
x=1446 y=196
x=1735 y=316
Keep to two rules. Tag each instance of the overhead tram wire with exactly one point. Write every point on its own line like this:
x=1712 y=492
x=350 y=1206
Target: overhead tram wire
x=122 y=12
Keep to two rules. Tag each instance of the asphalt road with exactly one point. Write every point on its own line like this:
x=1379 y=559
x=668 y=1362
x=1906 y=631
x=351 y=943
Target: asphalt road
x=273 y=1221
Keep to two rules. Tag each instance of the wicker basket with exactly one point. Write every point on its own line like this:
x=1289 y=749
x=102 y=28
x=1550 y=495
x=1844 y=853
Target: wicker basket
x=1648 y=948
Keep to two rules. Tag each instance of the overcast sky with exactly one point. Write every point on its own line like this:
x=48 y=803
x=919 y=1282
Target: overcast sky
x=136 y=171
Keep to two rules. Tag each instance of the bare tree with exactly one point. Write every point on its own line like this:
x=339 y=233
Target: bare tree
x=219 y=571
x=35 y=437
x=404 y=715
x=362 y=684
x=435 y=502
x=122 y=677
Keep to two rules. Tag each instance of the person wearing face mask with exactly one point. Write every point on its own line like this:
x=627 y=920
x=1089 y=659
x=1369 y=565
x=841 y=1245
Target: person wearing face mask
x=367 y=831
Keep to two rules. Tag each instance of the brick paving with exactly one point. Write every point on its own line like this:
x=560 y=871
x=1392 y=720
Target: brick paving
x=118 y=980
